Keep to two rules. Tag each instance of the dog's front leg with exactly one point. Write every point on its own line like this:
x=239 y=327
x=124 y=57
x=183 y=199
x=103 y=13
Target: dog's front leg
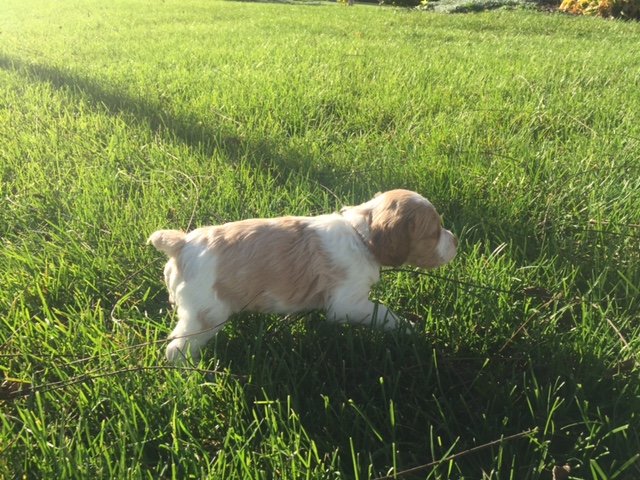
x=347 y=309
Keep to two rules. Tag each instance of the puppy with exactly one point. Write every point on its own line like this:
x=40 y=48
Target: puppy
x=292 y=264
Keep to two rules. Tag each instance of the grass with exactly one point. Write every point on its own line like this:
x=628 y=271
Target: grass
x=123 y=117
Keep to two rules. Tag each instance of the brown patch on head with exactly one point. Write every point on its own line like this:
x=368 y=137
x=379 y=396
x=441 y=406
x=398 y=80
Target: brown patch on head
x=424 y=239
x=405 y=228
x=272 y=265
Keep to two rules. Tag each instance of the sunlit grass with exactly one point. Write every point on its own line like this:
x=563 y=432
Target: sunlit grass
x=523 y=128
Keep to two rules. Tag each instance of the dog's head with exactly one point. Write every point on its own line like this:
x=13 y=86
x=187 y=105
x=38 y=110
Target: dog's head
x=405 y=228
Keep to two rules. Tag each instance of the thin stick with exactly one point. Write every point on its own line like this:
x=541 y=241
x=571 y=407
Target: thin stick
x=455 y=456
x=47 y=387
x=615 y=329
x=453 y=280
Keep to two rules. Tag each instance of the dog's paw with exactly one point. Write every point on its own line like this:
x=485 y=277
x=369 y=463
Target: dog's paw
x=177 y=352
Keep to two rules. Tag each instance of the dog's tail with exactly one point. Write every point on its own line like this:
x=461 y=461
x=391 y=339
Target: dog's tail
x=168 y=241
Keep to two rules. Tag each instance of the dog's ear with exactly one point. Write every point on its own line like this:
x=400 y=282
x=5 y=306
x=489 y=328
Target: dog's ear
x=390 y=233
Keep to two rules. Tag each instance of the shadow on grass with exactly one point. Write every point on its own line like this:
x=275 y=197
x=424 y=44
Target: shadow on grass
x=369 y=393
x=191 y=131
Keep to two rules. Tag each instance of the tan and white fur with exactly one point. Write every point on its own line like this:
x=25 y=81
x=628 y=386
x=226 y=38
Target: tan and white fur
x=292 y=264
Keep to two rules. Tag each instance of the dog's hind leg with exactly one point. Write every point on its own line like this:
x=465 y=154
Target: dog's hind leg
x=193 y=331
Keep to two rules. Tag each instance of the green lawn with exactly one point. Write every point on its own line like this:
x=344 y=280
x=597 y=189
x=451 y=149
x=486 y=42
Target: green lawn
x=118 y=118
